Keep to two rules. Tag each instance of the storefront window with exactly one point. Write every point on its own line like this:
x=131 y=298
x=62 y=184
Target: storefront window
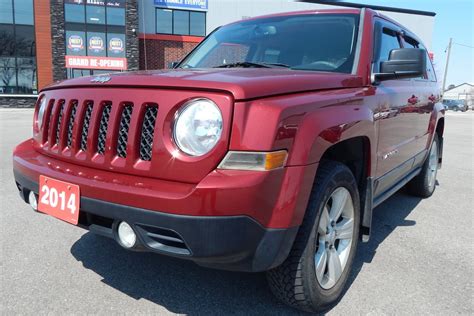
x=116 y=16
x=180 y=22
x=95 y=14
x=6 y=13
x=115 y=45
x=17 y=48
x=25 y=40
x=75 y=43
x=96 y=44
x=197 y=24
x=164 y=21
x=23 y=12
x=74 y=13
x=94 y=29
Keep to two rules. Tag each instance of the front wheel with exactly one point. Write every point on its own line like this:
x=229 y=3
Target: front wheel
x=315 y=274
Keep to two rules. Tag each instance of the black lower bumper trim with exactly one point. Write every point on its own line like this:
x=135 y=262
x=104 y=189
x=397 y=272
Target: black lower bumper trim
x=224 y=242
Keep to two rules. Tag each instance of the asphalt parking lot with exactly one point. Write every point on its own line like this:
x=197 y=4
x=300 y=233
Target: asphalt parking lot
x=418 y=261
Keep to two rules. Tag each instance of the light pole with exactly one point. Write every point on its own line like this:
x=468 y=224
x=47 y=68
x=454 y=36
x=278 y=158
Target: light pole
x=447 y=64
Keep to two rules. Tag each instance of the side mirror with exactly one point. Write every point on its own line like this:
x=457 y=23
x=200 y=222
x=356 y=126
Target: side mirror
x=173 y=64
x=402 y=63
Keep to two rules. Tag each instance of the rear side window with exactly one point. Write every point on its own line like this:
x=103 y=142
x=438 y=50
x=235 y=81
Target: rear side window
x=430 y=73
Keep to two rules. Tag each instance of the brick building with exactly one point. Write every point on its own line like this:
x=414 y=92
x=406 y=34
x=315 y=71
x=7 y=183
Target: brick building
x=44 y=41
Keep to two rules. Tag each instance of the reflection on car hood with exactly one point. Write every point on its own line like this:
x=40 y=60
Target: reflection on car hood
x=242 y=83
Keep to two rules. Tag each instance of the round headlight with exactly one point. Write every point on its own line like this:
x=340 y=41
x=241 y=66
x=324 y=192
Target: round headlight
x=198 y=127
x=41 y=110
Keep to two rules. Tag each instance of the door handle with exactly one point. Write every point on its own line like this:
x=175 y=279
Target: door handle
x=413 y=100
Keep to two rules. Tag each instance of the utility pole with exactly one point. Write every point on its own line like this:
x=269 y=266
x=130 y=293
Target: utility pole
x=447 y=64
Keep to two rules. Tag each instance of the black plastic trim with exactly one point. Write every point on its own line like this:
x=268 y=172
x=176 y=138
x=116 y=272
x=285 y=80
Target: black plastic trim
x=236 y=243
x=373 y=7
x=388 y=193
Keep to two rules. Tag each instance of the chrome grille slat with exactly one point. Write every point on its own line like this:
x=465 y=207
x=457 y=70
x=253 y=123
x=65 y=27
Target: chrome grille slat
x=148 y=131
x=103 y=125
x=122 y=139
x=85 y=124
x=70 y=126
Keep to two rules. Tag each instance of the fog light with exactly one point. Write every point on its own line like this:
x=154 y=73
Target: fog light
x=32 y=200
x=126 y=235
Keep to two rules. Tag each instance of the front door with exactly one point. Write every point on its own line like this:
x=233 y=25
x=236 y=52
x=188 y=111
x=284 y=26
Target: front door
x=394 y=115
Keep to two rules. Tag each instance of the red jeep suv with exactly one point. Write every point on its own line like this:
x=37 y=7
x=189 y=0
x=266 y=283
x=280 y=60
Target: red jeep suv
x=265 y=149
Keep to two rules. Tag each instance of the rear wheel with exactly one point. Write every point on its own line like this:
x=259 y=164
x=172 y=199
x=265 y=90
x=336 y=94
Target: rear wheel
x=315 y=274
x=424 y=184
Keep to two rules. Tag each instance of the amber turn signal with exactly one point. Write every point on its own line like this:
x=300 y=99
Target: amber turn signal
x=261 y=161
x=275 y=159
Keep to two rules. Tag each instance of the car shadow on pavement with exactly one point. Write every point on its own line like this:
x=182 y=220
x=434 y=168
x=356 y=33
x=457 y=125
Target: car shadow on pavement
x=182 y=287
x=386 y=217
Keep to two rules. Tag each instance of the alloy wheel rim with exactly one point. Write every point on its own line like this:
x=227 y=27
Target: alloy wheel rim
x=335 y=234
x=432 y=165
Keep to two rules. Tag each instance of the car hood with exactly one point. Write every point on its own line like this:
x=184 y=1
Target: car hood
x=242 y=83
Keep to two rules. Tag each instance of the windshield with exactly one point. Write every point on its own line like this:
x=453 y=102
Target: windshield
x=318 y=42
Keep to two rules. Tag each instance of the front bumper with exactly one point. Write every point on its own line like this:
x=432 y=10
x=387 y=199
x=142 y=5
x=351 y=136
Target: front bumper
x=244 y=221
x=223 y=242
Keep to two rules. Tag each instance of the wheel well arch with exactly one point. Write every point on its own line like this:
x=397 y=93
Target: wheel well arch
x=355 y=153
x=440 y=127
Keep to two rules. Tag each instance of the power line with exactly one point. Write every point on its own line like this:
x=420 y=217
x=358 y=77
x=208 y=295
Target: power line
x=463 y=45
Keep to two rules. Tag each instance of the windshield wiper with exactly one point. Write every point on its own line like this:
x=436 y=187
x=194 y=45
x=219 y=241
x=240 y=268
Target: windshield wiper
x=243 y=64
x=278 y=65
x=247 y=64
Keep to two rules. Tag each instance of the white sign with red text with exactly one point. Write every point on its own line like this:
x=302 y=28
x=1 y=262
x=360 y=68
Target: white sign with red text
x=90 y=62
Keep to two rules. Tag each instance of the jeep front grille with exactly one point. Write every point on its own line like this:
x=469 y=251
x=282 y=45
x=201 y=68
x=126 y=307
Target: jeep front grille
x=97 y=122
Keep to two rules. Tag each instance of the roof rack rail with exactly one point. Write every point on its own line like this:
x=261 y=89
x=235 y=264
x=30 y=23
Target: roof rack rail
x=374 y=7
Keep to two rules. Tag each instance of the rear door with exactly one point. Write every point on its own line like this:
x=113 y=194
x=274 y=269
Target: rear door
x=395 y=114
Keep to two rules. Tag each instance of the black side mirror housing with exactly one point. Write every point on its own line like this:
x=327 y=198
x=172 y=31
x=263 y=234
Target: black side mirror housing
x=402 y=63
x=173 y=64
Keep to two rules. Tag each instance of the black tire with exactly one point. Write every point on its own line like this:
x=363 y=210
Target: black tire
x=294 y=282
x=419 y=185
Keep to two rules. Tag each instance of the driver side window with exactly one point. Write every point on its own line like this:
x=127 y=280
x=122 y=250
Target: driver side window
x=389 y=40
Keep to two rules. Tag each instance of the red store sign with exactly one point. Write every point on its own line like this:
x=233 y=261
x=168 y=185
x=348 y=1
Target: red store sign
x=90 y=62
